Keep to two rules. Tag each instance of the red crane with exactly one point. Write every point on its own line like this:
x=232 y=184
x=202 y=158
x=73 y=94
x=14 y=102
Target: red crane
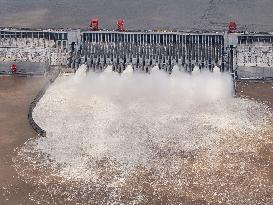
x=94 y=24
x=120 y=24
x=13 y=68
x=232 y=27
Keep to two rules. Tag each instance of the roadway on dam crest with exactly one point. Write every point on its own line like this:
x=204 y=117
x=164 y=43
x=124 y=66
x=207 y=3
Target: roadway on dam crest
x=16 y=94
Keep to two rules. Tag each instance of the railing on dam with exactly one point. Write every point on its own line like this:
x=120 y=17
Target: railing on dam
x=59 y=37
x=150 y=37
x=255 y=38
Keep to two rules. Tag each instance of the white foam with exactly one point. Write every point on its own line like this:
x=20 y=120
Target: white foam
x=155 y=121
x=128 y=70
x=196 y=70
x=216 y=70
x=109 y=69
x=81 y=72
x=175 y=70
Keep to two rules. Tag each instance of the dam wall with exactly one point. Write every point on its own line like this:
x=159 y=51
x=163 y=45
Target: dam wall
x=255 y=56
x=143 y=50
x=244 y=55
x=34 y=46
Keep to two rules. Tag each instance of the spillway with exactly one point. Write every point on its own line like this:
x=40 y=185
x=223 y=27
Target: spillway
x=145 y=50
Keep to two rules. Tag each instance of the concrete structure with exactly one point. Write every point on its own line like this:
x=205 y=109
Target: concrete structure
x=254 y=56
x=232 y=52
x=36 y=48
x=28 y=68
x=146 y=49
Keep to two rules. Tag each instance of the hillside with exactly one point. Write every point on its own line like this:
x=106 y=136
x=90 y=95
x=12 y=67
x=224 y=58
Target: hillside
x=139 y=14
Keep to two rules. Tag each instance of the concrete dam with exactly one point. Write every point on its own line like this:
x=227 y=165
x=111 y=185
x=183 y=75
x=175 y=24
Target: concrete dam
x=145 y=50
x=245 y=55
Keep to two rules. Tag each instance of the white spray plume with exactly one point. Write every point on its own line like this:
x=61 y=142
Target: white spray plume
x=155 y=121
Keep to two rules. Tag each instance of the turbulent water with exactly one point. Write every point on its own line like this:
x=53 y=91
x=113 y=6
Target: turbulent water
x=146 y=139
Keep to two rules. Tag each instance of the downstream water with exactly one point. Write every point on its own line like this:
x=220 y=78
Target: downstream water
x=140 y=139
